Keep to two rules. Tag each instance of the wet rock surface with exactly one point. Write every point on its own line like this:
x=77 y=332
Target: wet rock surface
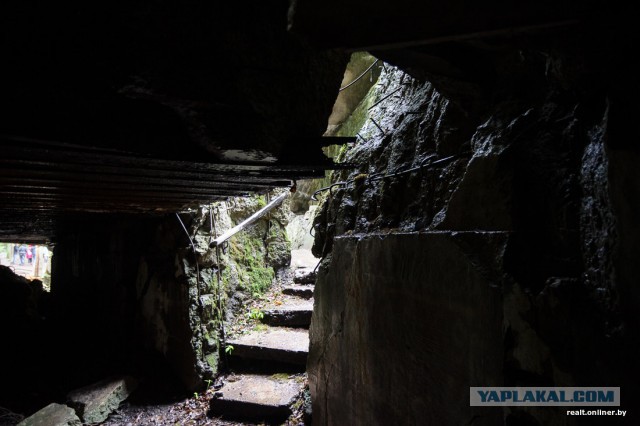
x=529 y=193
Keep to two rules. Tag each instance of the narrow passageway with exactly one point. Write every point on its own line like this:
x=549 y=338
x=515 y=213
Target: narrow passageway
x=268 y=356
x=319 y=212
x=266 y=353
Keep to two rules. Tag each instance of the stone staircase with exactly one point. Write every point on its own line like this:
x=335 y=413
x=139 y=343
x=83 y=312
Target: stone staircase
x=268 y=362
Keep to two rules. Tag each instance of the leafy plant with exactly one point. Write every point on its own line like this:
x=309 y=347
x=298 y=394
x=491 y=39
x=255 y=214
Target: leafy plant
x=195 y=395
x=208 y=382
x=255 y=314
x=229 y=349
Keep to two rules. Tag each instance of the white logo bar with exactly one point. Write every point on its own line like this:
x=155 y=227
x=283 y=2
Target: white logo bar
x=539 y=396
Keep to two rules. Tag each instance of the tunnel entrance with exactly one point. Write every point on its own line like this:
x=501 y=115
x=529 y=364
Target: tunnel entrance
x=149 y=298
x=28 y=260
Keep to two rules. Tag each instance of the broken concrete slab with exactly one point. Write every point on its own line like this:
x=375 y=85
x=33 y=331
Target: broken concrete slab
x=53 y=415
x=95 y=402
x=300 y=290
x=275 y=344
x=257 y=397
x=304 y=276
x=293 y=313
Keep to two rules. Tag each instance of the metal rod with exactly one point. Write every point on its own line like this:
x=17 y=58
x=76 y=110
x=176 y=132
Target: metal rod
x=377 y=125
x=250 y=220
x=384 y=99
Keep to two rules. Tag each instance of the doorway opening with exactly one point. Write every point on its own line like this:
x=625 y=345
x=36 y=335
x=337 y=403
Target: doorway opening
x=31 y=261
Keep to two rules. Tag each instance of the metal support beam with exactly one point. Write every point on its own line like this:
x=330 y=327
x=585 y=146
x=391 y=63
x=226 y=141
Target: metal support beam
x=250 y=220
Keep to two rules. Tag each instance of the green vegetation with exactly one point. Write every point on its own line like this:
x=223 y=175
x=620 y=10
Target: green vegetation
x=246 y=265
x=255 y=314
x=297 y=405
x=280 y=376
x=253 y=274
x=4 y=248
x=262 y=201
x=212 y=359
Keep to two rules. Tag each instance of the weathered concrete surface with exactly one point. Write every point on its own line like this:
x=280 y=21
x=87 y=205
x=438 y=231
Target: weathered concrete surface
x=53 y=415
x=299 y=290
x=256 y=397
x=387 y=347
x=275 y=344
x=95 y=402
x=292 y=313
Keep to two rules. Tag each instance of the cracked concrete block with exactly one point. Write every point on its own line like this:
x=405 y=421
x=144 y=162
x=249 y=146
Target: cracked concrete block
x=257 y=397
x=95 y=402
x=294 y=313
x=300 y=290
x=53 y=415
x=276 y=344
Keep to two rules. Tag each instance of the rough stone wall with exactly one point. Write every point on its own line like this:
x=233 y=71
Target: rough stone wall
x=139 y=300
x=512 y=263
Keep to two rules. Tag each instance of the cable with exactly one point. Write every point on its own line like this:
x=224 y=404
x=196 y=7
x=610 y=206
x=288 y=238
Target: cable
x=195 y=256
x=426 y=163
x=359 y=77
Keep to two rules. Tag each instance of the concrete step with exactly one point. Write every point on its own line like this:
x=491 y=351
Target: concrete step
x=294 y=312
x=300 y=290
x=257 y=397
x=304 y=276
x=274 y=344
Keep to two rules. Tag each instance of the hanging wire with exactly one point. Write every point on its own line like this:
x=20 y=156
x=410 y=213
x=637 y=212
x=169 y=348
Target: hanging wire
x=195 y=256
x=426 y=163
x=360 y=76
